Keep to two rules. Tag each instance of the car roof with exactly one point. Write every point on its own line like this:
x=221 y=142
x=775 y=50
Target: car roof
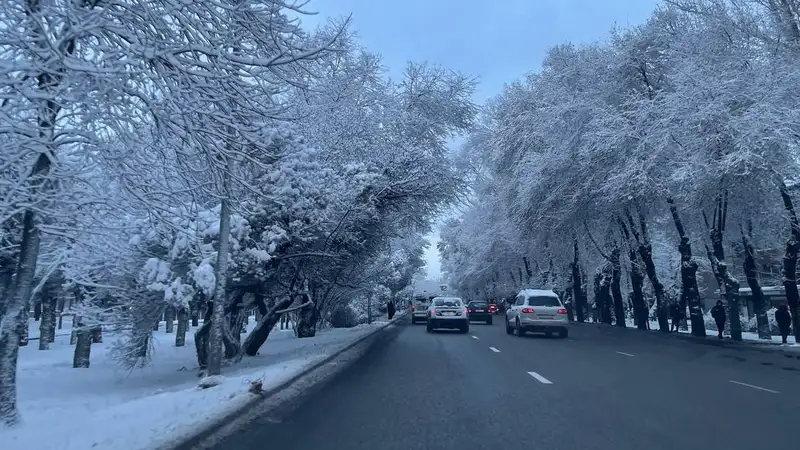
x=538 y=293
x=449 y=298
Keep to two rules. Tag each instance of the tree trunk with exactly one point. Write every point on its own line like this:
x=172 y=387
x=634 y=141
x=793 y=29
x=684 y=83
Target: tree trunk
x=195 y=311
x=528 y=272
x=201 y=339
x=169 y=319
x=183 y=325
x=605 y=294
x=637 y=293
x=616 y=291
x=690 y=294
x=73 y=335
x=307 y=322
x=751 y=274
x=218 y=313
x=17 y=305
x=97 y=334
x=37 y=311
x=578 y=292
x=646 y=253
x=83 y=348
x=730 y=285
x=47 y=327
x=790 y=263
x=266 y=322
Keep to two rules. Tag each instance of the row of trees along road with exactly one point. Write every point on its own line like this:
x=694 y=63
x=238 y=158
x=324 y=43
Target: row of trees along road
x=212 y=157
x=663 y=154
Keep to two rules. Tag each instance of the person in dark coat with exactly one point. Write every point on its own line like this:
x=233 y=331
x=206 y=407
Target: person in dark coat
x=784 y=320
x=390 y=309
x=718 y=313
x=675 y=314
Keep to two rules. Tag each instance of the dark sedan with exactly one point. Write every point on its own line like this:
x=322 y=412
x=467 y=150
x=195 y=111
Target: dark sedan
x=479 y=311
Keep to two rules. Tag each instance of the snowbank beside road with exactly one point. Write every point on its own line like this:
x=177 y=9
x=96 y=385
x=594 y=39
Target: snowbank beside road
x=106 y=407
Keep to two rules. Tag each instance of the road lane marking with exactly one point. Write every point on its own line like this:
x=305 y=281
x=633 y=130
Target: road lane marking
x=540 y=378
x=475 y=337
x=754 y=387
x=494 y=349
x=626 y=354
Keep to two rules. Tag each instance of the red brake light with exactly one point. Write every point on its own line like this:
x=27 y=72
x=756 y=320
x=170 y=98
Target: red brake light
x=412 y=308
x=433 y=312
x=562 y=311
x=528 y=310
x=469 y=310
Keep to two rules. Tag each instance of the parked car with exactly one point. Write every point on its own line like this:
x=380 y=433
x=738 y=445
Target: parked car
x=539 y=311
x=479 y=311
x=447 y=312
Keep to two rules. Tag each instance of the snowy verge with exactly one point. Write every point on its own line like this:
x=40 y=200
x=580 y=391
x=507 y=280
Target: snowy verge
x=749 y=339
x=160 y=405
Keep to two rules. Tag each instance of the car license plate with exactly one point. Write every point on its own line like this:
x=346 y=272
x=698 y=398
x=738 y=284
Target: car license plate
x=542 y=316
x=449 y=313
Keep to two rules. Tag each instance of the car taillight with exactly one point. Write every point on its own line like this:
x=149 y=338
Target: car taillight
x=412 y=308
x=433 y=312
x=562 y=311
x=528 y=310
x=469 y=310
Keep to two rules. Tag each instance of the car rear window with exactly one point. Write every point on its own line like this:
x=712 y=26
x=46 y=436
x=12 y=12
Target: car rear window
x=446 y=302
x=543 y=301
x=479 y=305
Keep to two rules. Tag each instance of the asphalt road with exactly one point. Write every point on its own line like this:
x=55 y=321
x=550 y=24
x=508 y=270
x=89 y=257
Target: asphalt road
x=601 y=388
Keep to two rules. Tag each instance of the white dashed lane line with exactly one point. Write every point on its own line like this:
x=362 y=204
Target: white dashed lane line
x=540 y=378
x=754 y=387
x=494 y=349
x=475 y=337
x=626 y=354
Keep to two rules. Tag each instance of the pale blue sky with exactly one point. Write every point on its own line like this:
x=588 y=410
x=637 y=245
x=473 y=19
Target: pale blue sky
x=496 y=41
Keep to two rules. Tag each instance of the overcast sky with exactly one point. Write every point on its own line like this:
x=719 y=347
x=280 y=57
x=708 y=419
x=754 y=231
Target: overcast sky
x=496 y=41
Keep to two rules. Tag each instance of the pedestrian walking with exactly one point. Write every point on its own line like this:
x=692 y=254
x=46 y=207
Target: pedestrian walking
x=718 y=313
x=784 y=320
x=390 y=309
x=675 y=314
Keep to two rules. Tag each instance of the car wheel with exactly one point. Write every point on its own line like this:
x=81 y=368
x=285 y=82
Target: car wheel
x=509 y=330
x=519 y=330
x=489 y=320
x=563 y=333
x=413 y=321
x=429 y=327
x=465 y=328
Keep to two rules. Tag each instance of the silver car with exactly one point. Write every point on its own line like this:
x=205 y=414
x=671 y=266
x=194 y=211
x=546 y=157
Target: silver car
x=537 y=310
x=448 y=312
x=419 y=310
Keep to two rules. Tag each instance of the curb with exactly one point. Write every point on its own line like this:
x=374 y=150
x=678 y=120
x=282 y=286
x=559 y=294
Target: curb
x=197 y=438
x=710 y=341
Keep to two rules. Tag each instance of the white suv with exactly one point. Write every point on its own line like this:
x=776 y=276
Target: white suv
x=537 y=310
x=448 y=312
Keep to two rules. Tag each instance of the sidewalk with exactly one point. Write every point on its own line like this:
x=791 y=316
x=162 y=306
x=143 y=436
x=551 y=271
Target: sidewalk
x=107 y=407
x=750 y=340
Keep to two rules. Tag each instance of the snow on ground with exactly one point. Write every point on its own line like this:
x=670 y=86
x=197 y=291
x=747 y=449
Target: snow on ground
x=106 y=406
